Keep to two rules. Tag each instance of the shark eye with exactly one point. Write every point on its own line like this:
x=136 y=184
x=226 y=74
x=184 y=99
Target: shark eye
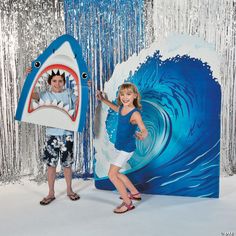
x=37 y=64
x=84 y=75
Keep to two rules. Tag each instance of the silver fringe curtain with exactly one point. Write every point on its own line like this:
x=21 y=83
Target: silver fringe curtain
x=28 y=27
x=215 y=22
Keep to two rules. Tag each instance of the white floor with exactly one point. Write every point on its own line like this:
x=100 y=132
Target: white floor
x=155 y=215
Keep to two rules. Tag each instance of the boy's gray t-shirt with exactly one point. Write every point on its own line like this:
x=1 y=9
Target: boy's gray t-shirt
x=67 y=97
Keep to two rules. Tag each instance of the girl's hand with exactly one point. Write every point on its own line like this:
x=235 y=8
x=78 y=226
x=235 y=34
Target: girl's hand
x=99 y=95
x=103 y=99
x=140 y=135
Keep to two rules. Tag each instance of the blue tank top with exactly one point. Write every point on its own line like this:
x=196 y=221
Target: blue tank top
x=125 y=134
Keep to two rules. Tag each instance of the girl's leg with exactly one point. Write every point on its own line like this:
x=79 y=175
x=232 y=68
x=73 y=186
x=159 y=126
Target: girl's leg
x=129 y=185
x=113 y=176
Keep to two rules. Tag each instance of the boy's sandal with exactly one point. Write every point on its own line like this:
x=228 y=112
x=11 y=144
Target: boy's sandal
x=47 y=200
x=133 y=197
x=128 y=207
x=73 y=196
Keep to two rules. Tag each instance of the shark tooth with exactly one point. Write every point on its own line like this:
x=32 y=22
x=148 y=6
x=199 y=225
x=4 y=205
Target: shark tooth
x=61 y=71
x=71 y=112
x=41 y=102
x=40 y=79
x=60 y=104
x=45 y=76
x=47 y=102
x=35 y=105
x=75 y=88
x=49 y=72
x=55 y=70
x=66 y=107
x=76 y=93
x=71 y=77
x=38 y=85
x=67 y=74
x=54 y=102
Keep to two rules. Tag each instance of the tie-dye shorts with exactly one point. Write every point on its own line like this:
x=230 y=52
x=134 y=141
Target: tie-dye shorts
x=58 y=147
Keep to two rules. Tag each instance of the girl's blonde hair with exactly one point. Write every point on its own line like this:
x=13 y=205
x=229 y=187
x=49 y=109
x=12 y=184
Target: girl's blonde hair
x=133 y=88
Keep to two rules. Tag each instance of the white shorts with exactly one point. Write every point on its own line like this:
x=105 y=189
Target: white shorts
x=121 y=157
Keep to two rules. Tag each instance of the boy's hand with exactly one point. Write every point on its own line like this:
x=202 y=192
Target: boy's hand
x=28 y=70
x=89 y=83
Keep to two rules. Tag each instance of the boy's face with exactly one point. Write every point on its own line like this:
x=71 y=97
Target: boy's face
x=57 y=84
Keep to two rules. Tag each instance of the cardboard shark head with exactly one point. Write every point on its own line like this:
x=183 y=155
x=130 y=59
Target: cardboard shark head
x=63 y=57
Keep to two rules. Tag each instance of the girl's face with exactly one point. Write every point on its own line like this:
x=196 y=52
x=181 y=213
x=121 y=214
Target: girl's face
x=57 y=84
x=127 y=97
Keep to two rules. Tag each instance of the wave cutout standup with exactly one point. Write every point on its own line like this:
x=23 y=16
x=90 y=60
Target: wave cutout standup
x=62 y=57
x=181 y=110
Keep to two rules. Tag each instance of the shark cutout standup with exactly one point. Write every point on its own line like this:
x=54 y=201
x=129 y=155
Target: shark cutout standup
x=63 y=57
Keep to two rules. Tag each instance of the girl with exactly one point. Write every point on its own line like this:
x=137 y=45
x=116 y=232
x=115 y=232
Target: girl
x=128 y=119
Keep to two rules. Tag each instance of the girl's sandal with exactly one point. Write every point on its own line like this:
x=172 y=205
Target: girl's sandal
x=127 y=207
x=133 y=197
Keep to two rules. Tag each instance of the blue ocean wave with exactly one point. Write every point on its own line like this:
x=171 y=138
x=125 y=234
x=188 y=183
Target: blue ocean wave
x=181 y=109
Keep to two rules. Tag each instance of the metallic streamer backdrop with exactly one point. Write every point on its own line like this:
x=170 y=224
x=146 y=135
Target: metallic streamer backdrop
x=27 y=28
x=215 y=22
x=104 y=29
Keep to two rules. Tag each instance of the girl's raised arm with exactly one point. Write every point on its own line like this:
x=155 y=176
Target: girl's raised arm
x=106 y=101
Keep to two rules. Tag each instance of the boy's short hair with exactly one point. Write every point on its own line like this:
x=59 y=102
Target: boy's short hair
x=54 y=74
